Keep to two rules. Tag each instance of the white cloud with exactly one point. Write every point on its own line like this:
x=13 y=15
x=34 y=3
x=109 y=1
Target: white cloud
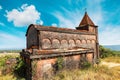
x=110 y=35
x=95 y=11
x=0 y=7
x=71 y=18
x=8 y=41
x=54 y=24
x=41 y=22
x=24 y=6
x=2 y=24
x=23 y=16
x=68 y=19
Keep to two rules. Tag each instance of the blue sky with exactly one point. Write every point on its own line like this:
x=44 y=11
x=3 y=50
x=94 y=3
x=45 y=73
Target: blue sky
x=16 y=15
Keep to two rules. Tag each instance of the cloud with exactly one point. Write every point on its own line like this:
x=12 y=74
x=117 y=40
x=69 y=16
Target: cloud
x=68 y=19
x=110 y=35
x=95 y=11
x=40 y=22
x=0 y=7
x=2 y=24
x=8 y=41
x=23 y=16
x=71 y=18
x=54 y=24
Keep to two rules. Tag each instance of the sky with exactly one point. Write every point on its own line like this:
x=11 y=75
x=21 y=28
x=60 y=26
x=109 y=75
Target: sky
x=17 y=15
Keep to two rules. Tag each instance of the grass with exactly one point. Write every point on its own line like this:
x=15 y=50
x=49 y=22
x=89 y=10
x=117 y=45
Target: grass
x=99 y=72
x=117 y=69
x=6 y=56
x=7 y=77
x=93 y=73
x=13 y=55
x=10 y=77
x=4 y=75
x=113 y=59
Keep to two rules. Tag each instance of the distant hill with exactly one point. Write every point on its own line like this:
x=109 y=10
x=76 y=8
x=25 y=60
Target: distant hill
x=10 y=51
x=113 y=47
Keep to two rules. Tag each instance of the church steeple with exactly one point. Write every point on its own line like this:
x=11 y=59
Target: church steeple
x=86 y=20
x=85 y=23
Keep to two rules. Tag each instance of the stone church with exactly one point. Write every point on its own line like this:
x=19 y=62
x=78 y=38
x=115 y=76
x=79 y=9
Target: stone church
x=47 y=44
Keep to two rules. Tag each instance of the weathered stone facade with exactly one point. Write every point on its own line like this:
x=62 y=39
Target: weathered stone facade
x=45 y=45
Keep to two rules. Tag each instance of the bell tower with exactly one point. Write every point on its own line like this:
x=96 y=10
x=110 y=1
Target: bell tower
x=87 y=24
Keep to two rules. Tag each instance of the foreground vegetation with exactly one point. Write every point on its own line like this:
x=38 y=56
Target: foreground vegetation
x=10 y=70
x=96 y=72
x=8 y=66
x=92 y=73
x=105 y=52
x=114 y=59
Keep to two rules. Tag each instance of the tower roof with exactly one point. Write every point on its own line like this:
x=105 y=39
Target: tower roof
x=86 y=21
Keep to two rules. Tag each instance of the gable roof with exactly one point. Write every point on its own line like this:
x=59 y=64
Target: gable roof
x=86 y=21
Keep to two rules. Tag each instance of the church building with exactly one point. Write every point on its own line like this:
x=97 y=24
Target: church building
x=46 y=45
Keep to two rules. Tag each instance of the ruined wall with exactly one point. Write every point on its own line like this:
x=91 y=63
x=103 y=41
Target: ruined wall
x=47 y=67
x=57 y=40
x=51 y=39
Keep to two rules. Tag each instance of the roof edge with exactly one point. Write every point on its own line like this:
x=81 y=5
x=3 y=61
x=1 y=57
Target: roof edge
x=56 y=29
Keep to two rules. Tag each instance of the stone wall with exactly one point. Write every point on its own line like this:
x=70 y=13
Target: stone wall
x=52 y=44
x=48 y=67
x=56 y=40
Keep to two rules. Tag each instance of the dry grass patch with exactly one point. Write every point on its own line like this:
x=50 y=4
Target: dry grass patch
x=7 y=77
x=9 y=54
x=93 y=73
x=113 y=59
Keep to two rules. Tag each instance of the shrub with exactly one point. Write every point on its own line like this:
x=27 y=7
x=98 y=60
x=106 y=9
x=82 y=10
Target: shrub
x=20 y=68
x=7 y=63
x=3 y=60
x=104 y=52
x=59 y=64
x=97 y=61
x=84 y=63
